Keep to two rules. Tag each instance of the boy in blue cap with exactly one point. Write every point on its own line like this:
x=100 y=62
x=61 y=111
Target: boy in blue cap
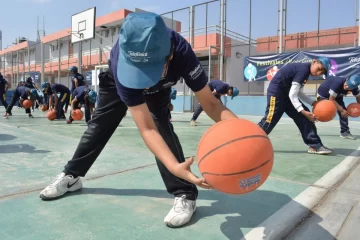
x=218 y=88
x=3 y=88
x=77 y=80
x=146 y=61
x=20 y=94
x=29 y=83
x=335 y=88
x=59 y=101
x=283 y=95
x=83 y=96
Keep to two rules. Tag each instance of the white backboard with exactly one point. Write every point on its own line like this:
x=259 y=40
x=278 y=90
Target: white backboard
x=83 y=25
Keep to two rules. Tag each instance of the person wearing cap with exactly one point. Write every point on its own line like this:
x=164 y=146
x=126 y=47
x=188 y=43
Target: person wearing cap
x=283 y=95
x=334 y=88
x=59 y=100
x=20 y=94
x=29 y=83
x=77 y=80
x=83 y=96
x=145 y=62
x=218 y=88
x=3 y=88
x=20 y=83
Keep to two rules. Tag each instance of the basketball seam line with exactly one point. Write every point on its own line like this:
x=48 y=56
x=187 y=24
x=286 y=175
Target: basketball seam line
x=234 y=140
x=230 y=174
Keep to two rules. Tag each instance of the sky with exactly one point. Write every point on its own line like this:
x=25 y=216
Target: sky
x=18 y=18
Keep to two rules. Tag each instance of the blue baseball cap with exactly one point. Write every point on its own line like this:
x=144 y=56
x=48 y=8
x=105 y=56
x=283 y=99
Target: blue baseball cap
x=73 y=69
x=144 y=44
x=92 y=96
x=34 y=92
x=44 y=85
x=353 y=81
x=235 y=92
x=326 y=63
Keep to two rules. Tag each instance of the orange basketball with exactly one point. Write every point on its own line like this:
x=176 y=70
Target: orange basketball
x=353 y=110
x=44 y=108
x=51 y=115
x=27 y=103
x=77 y=115
x=235 y=156
x=325 y=110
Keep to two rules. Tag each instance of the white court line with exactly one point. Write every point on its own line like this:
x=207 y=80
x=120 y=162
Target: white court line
x=282 y=222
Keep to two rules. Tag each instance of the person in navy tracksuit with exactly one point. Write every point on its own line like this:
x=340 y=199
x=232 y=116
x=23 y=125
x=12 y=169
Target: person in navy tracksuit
x=335 y=88
x=20 y=83
x=283 y=95
x=218 y=88
x=29 y=83
x=20 y=94
x=77 y=80
x=146 y=61
x=83 y=96
x=60 y=101
x=3 y=88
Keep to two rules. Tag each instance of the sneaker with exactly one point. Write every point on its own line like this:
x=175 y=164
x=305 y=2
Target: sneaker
x=181 y=212
x=62 y=184
x=31 y=116
x=68 y=121
x=6 y=115
x=192 y=123
x=347 y=135
x=320 y=151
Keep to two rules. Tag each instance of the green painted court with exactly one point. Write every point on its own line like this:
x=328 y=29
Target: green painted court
x=124 y=196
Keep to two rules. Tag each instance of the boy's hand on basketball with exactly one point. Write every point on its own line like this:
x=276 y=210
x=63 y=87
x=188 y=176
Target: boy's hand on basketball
x=310 y=116
x=344 y=113
x=184 y=172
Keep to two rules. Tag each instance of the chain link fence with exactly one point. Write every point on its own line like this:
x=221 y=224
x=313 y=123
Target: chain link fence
x=222 y=33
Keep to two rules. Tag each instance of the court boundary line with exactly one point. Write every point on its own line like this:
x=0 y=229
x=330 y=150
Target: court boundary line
x=286 y=219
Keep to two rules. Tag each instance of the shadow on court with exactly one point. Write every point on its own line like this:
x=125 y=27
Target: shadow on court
x=247 y=211
x=6 y=137
x=17 y=148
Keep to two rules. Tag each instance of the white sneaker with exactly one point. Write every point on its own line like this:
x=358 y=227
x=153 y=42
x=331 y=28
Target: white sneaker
x=62 y=184
x=192 y=123
x=181 y=212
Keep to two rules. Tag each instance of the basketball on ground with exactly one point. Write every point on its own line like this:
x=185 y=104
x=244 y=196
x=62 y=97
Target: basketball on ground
x=51 y=115
x=77 y=115
x=325 y=110
x=353 y=110
x=235 y=156
x=27 y=103
x=43 y=108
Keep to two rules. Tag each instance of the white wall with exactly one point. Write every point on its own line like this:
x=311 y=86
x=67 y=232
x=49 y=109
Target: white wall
x=235 y=68
x=65 y=81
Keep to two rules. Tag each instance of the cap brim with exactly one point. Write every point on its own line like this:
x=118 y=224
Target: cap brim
x=131 y=76
x=326 y=73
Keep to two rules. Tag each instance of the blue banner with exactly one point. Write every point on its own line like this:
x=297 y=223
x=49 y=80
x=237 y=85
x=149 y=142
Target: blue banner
x=34 y=75
x=344 y=62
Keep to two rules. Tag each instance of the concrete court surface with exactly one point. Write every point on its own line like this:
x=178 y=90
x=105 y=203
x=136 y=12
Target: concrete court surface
x=124 y=196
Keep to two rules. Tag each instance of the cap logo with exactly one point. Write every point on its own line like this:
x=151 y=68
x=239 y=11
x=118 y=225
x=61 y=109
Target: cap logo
x=137 y=54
